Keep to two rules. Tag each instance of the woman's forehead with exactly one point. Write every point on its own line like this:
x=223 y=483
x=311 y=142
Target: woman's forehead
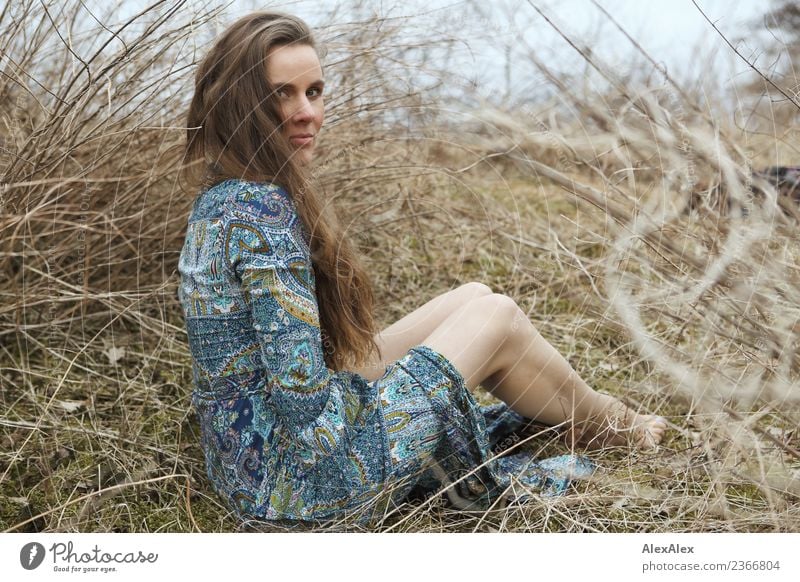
x=288 y=64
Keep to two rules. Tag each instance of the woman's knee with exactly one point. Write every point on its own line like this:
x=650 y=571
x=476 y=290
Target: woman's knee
x=475 y=290
x=500 y=311
x=504 y=305
x=471 y=291
x=494 y=316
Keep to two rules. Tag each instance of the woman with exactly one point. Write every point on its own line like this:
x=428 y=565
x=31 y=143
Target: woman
x=306 y=412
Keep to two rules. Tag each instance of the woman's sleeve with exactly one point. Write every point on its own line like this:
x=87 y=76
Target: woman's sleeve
x=267 y=251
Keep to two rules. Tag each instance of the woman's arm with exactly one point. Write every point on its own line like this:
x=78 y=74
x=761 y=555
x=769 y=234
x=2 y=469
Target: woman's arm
x=266 y=249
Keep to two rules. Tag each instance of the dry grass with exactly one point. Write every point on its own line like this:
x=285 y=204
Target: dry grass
x=601 y=219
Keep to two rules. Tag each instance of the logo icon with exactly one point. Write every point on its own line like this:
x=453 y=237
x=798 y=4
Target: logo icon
x=31 y=555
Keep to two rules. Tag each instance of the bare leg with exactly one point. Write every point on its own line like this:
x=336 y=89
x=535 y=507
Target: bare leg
x=412 y=329
x=491 y=341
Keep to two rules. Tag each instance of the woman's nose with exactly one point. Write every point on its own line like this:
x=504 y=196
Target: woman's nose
x=303 y=111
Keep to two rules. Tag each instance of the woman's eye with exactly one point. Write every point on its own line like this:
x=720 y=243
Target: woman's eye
x=314 y=92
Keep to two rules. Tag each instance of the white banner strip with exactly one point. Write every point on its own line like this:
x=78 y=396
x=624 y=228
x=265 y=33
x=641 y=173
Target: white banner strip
x=388 y=557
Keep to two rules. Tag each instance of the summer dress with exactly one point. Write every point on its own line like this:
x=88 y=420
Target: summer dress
x=284 y=436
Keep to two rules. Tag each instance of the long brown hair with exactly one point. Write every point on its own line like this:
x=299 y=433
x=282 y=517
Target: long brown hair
x=234 y=131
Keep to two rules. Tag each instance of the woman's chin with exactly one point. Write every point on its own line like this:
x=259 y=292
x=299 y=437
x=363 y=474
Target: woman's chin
x=303 y=157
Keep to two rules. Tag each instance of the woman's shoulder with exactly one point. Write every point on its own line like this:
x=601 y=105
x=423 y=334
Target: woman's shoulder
x=246 y=199
x=254 y=212
x=245 y=190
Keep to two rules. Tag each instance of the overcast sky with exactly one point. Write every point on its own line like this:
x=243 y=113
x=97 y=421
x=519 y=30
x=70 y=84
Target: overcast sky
x=674 y=32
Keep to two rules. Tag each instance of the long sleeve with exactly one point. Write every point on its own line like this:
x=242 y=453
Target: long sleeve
x=266 y=247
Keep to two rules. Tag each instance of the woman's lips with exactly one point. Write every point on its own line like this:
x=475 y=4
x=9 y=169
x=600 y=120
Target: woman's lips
x=301 y=140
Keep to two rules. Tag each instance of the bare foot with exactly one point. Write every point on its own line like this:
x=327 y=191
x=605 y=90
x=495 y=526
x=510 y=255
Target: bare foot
x=617 y=425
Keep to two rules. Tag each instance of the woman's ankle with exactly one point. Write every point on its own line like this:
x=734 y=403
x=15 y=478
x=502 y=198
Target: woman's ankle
x=610 y=423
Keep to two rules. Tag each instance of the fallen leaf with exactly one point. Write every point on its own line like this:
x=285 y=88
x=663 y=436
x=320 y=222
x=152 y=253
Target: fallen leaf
x=114 y=354
x=71 y=405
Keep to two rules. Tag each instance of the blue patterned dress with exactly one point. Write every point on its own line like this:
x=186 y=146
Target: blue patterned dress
x=284 y=436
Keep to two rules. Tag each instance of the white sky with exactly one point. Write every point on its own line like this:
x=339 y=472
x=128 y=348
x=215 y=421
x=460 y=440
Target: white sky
x=674 y=32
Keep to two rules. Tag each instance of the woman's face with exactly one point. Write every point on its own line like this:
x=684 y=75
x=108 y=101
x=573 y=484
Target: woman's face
x=295 y=73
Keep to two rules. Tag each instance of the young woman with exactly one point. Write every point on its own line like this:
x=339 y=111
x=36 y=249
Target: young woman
x=307 y=411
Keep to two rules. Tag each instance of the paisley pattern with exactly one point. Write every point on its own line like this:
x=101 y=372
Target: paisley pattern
x=285 y=437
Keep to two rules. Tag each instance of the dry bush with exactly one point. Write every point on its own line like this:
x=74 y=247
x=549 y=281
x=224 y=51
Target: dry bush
x=584 y=217
x=96 y=431
x=707 y=290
